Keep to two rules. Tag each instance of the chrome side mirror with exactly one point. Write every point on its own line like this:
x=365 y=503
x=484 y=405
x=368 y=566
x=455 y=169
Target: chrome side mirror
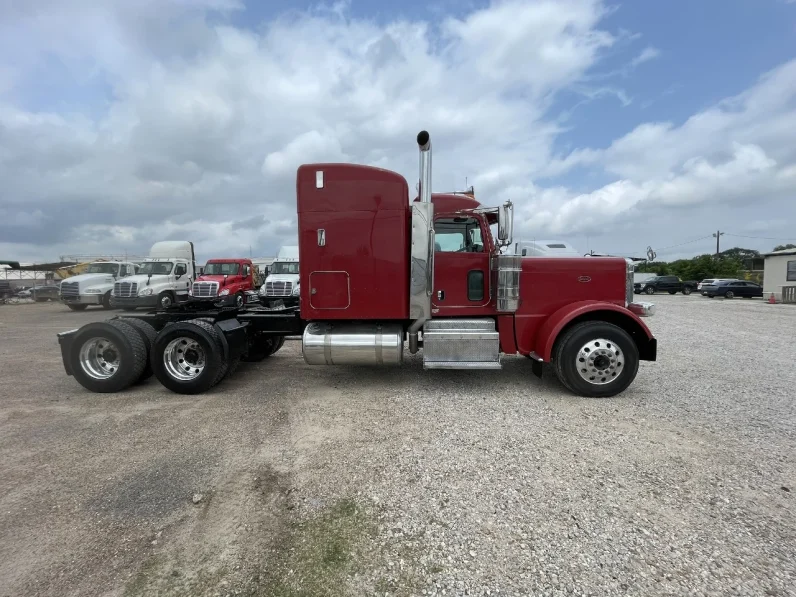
x=505 y=223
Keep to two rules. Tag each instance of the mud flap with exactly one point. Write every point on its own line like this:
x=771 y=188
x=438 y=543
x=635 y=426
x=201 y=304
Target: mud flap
x=65 y=340
x=233 y=338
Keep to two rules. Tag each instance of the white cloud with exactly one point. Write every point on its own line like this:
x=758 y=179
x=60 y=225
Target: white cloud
x=182 y=127
x=647 y=54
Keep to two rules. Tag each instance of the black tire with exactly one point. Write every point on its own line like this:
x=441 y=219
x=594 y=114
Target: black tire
x=239 y=300
x=148 y=335
x=165 y=300
x=263 y=347
x=227 y=367
x=687 y=290
x=649 y=290
x=106 y=300
x=729 y=294
x=569 y=344
x=206 y=337
x=78 y=307
x=126 y=344
x=672 y=292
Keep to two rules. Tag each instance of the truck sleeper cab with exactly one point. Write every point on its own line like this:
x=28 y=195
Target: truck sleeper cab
x=376 y=270
x=380 y=275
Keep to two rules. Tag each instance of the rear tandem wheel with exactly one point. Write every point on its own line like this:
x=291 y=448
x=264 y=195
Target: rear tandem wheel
x=107 y=357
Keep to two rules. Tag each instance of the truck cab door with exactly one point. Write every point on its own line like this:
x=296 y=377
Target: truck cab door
x=461 y=267
x=182 y=280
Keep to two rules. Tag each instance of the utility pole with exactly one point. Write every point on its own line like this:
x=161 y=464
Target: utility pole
x=718 y=234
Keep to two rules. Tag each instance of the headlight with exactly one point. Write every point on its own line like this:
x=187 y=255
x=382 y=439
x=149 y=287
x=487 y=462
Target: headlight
x=93 y=291
x=146 y=292
x=224 y=292
x=296 y=290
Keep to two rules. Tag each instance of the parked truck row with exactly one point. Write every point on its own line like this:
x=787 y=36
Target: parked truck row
x=379 y=274
x=169 y=274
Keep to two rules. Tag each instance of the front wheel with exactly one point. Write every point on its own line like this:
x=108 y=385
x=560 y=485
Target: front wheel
x=596 y=359
x=686 y=290
x=729 y=294
x=165 y=300
x=106 y=300
x=649 y=290
x=239 y=300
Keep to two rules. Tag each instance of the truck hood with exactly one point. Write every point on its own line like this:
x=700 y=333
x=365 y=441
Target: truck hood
x=141 y=279
x=90 y=279
x=214 y=278
x=282 y=278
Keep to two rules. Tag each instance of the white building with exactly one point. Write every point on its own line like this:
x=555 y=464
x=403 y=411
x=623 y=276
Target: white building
x=779 y=270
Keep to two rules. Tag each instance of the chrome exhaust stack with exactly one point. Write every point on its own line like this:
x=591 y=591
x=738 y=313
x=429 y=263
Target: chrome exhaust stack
x=421 y=282
x=424 y=145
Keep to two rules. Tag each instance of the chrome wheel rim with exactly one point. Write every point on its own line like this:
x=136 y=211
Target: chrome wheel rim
x=600 y=361
x=239 y=300
x=165 y=301
x=184 y=359
x=99 y=358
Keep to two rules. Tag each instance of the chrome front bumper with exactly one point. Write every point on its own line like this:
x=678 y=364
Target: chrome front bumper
x=81 y=299
x=642 y=309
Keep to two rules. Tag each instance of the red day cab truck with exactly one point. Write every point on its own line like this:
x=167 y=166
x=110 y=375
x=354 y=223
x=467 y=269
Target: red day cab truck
x=381 y=274
x=229 y=279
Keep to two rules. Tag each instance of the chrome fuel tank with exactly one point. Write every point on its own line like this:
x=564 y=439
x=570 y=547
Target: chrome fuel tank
x=353 y=344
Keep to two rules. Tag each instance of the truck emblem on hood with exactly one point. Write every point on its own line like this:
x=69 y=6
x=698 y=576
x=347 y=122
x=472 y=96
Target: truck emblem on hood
x=584 y=279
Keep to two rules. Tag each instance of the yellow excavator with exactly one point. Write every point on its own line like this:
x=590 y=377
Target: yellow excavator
x=68 y=271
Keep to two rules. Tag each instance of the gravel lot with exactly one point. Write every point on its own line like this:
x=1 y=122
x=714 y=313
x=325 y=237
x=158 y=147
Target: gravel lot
x=294 y=480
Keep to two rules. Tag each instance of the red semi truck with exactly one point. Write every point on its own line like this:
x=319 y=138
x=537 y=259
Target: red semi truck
x=227 y=279
x=379 y=273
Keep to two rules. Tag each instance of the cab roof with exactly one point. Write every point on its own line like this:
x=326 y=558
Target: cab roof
x=457 y=202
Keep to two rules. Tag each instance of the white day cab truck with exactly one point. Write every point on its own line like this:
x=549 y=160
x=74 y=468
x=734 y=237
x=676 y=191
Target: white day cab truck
x=281 y=287
x=94 y=287
x=163 y=278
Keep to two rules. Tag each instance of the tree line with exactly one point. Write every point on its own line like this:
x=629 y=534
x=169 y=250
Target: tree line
x=732 y=263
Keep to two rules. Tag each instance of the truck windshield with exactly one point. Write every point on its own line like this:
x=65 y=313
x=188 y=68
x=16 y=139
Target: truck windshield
x=102 y=268
x=156 y=268
x=221 y=269
x=285 y=267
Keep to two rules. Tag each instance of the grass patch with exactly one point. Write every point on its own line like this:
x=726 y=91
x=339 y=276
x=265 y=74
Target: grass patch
x=317 y=555
x=158 y=576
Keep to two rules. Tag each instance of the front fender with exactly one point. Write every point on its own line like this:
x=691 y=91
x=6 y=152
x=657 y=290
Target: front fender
x=595 y=311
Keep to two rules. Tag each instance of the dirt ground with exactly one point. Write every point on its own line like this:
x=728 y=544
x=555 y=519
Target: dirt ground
x=295 y=480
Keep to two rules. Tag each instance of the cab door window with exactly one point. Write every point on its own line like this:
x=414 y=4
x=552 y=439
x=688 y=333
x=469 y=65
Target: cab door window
x=458 y=235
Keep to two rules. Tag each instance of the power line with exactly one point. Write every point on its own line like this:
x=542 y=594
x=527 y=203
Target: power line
x=688 y=242
x=759 y=237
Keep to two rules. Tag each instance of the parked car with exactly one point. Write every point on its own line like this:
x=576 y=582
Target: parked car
x=713 y=281
x=732 y=288
x=43 y=293
x=670 y=284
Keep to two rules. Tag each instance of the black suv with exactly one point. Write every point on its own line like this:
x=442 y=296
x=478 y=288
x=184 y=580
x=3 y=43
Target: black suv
x=670 y=284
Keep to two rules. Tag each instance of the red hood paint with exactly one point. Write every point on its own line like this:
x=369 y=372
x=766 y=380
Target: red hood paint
x=215 y=278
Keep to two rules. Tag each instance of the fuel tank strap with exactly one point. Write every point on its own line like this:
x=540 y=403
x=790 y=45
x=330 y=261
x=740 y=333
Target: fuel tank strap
x=327 y=349
x=379 y=357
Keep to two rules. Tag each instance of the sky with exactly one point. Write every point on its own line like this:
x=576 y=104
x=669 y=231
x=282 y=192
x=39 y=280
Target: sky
x=614 y=126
